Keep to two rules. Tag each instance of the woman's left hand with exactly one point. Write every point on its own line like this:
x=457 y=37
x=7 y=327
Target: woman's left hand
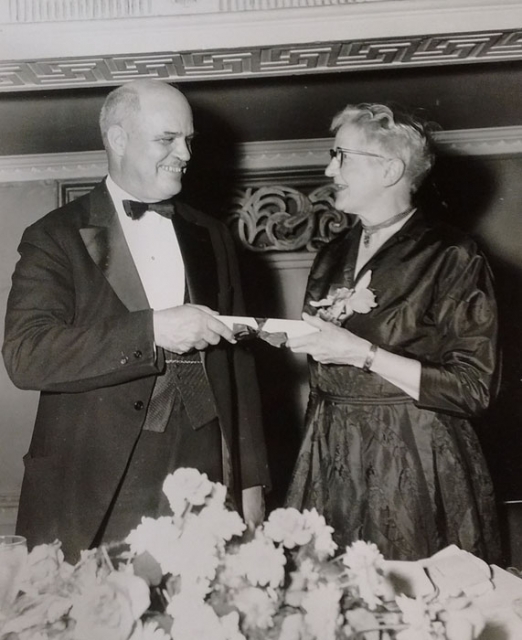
x=331 y=344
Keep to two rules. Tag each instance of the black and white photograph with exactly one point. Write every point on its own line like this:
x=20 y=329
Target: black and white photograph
x=260 y=301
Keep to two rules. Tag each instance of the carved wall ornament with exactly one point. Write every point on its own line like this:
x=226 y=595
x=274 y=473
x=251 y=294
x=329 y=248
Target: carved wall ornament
x=281 y=218
x=330 y=222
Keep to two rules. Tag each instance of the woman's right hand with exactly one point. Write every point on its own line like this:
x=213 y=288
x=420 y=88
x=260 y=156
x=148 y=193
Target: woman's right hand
x=334 y=345
x=331 y=344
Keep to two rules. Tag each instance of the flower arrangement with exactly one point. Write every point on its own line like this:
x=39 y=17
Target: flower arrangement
x=342 y=303
x=201 y=574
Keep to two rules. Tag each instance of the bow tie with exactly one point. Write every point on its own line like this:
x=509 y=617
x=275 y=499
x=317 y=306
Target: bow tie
x=135 y=209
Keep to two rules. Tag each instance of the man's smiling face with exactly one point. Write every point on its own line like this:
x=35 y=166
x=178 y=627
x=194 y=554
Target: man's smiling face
x=157 y=146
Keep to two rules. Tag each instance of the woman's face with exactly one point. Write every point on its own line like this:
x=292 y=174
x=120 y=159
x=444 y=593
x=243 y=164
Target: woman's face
x=358 y=177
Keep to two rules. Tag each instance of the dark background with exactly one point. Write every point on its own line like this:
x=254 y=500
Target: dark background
x=465 y=96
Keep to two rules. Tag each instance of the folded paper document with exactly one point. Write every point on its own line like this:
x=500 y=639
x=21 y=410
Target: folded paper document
x=275 y=331
x=454 y=571
x=451 y=572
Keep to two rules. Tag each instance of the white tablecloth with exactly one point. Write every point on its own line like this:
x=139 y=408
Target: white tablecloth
x=492 y=590
x=497 y=606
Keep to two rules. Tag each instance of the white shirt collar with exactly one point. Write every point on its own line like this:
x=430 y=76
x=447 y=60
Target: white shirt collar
x=117 y=193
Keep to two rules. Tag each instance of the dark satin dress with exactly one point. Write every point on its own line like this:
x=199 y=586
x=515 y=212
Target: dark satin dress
x=407 y=475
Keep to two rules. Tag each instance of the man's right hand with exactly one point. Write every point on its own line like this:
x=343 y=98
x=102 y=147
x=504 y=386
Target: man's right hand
x=189 y=326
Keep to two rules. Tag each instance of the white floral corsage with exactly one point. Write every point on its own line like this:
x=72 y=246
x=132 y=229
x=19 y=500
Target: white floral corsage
x=343 y=302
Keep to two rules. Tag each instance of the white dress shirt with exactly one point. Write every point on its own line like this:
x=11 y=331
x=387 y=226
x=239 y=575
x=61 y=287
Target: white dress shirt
x=155 y=250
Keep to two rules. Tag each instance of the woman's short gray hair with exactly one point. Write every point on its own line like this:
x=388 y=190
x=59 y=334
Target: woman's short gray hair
x=119 y=105
x=398 y=133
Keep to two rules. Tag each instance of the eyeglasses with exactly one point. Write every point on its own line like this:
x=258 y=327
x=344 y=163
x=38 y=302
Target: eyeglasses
x=339 y=152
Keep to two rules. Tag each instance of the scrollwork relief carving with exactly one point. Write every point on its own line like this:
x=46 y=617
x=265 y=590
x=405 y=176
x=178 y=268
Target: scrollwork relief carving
x=281 y=218
x=330 y=222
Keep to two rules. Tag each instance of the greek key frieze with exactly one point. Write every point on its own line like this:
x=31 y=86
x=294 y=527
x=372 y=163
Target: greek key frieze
x=262 y=61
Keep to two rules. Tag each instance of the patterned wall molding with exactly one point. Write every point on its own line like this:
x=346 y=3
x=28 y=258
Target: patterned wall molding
x=53 y=166
x=489 y=141
x=256 y=158
x=272 y=61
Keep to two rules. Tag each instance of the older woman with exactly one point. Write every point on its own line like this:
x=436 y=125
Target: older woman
x=403 y=359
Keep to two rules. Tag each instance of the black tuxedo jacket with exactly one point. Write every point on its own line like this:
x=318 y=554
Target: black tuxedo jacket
x=78 y=328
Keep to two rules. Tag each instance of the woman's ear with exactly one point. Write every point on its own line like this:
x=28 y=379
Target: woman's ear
x=394 y=171
x=117 y=139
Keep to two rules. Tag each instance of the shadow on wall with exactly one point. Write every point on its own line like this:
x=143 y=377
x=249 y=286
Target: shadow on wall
x=474 y=194
x=460 y=190
x=210 y=177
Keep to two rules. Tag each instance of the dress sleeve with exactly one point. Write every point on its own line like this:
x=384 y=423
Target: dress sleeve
x=460 y=378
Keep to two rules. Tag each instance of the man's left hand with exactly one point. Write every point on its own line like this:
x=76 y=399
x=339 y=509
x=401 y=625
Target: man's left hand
x=253 y=500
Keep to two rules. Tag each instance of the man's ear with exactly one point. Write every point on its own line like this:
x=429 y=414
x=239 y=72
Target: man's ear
x=117 y=139
x=394 y=171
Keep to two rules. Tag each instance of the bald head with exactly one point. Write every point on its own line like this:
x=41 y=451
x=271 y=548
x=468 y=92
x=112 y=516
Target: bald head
x=147 y=129
x=125 y=102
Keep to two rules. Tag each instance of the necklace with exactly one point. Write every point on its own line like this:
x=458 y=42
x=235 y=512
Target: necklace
x=369 y=230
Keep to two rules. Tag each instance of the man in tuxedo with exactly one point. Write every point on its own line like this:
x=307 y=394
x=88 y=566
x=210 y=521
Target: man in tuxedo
x=113 y=316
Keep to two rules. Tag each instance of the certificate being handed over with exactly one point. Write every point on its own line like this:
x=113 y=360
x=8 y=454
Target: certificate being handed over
x=275 y=331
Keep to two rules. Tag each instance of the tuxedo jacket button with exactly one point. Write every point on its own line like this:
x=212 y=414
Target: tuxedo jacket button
x=138 y=405
x=124 y=360
x=137 y=354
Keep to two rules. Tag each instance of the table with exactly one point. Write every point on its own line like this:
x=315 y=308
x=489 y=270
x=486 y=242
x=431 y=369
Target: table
x=502 y=623
x=492 y=590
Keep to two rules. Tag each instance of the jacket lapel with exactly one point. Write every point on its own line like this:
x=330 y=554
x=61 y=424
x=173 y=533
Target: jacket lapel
x=104 y=240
